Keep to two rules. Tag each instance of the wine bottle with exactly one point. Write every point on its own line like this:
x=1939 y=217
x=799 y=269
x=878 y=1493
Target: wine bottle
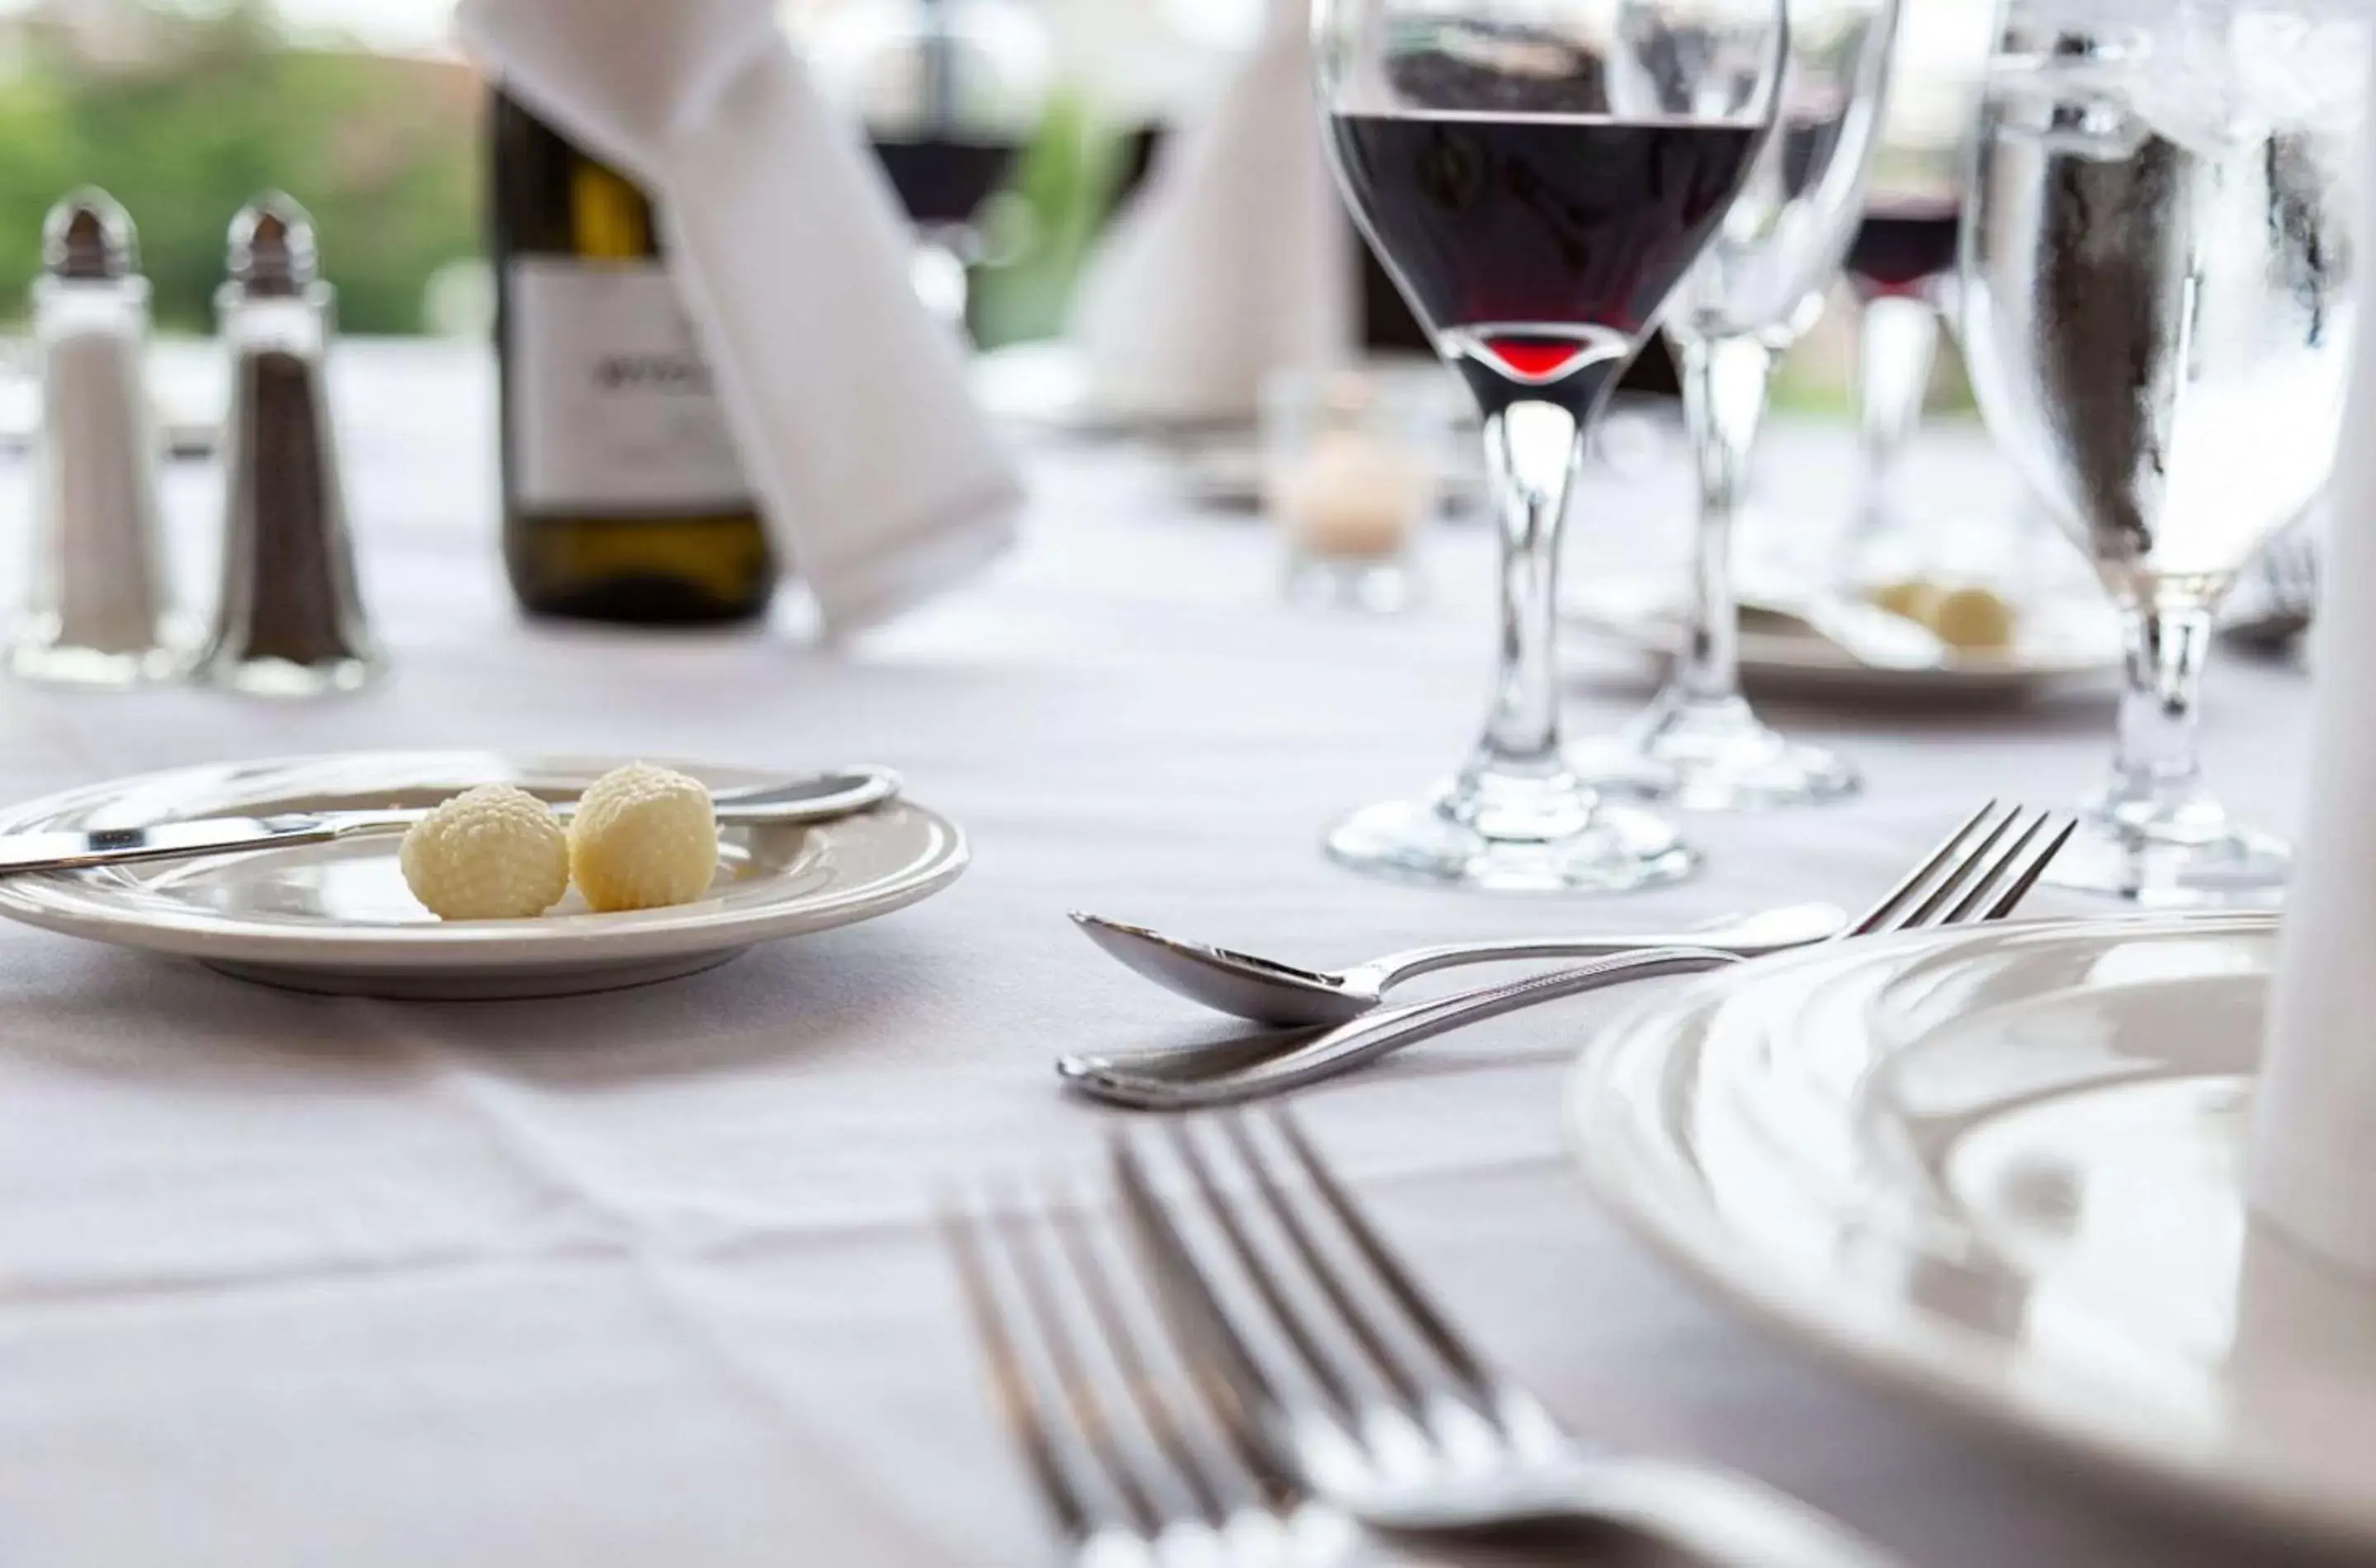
x=623 y=499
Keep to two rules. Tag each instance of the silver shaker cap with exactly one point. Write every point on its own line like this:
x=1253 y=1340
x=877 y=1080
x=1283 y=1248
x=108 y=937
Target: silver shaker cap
x=89 y=235
x=272 y=246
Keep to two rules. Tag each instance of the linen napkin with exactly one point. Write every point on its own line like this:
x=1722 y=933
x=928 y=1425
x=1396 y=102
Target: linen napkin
x=1235 y=258
x=2313 y=1173
x=880 y=480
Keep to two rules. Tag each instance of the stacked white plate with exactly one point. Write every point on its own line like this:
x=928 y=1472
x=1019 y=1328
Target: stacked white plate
x=2002 y=1169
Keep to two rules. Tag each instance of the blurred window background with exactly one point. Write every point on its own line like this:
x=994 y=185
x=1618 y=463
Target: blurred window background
x=184 y=109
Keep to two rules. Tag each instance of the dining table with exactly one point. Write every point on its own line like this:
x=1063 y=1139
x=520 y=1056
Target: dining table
x=652 y=1277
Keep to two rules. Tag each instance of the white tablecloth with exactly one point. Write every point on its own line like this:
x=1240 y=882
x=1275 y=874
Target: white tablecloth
x=647 y=1278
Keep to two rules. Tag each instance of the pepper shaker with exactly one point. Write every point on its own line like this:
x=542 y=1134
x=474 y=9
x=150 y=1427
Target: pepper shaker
x=291 y=620
x=101 y=610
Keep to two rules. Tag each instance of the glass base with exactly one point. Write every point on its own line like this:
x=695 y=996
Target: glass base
x=1504 y=837
x=281 y=678
x=2186 y=857
x=1716 y=757
x=1372 y=585
x=60 y=664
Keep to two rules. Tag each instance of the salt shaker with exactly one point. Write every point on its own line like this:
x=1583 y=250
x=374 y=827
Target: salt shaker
x=101 y=612
x=291 y=619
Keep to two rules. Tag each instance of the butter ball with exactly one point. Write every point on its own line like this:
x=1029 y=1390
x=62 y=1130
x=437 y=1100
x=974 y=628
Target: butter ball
x=644 y=837
x=491 y=853
x=1973 y=620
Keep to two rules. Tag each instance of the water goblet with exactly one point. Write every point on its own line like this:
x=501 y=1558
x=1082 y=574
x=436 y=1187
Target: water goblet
x=2159 y=299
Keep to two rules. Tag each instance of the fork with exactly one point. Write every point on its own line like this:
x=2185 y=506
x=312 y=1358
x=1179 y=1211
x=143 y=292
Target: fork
x=1393 y=1415
x=1134 y=1471
x=1980 y=872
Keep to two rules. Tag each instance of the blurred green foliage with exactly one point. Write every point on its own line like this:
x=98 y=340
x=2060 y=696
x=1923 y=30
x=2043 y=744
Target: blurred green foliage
x=384 y=151
x=1038 y=232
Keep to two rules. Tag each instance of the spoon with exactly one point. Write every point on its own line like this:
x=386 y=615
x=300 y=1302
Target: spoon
x=819 y=797
x=1268 y=991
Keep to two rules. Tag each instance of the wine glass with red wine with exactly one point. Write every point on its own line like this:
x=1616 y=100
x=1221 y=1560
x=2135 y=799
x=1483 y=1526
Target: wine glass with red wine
x=948 y=92
x=1538 y=175
x=1900 y=268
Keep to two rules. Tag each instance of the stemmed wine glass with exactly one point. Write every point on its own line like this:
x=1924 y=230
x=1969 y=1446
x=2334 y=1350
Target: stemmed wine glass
x=1901 y=267
x=1538 y=175
x=948 y=92
x=1759 y=287
x=2159 y=313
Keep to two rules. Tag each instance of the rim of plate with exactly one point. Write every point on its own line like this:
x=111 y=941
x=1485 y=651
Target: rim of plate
x=71 y=905
x=1638 y=1171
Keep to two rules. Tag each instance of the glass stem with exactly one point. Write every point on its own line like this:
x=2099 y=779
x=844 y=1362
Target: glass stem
x=1899 y=341
x=1530 y=454
x=1724 y=403
x=2157 y=768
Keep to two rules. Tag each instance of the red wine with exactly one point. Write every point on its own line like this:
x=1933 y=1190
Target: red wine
x=941 y=181
x=1539 y=251
x=1900 y=248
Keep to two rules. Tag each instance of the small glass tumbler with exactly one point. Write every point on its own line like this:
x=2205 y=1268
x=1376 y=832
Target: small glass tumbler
x=1353 y=470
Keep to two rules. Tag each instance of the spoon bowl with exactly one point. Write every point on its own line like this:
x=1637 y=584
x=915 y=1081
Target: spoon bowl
x=819 y=797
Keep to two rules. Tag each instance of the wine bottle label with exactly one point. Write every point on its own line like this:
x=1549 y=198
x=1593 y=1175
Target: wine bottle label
x=612 y=406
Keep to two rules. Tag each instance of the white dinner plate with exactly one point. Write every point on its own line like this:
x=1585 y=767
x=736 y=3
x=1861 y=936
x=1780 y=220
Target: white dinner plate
x=2060 y=643
x=2003 y=1169
x=337 y=917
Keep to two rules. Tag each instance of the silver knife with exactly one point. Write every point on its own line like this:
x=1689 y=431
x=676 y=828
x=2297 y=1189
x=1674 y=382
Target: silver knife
x=821 y=798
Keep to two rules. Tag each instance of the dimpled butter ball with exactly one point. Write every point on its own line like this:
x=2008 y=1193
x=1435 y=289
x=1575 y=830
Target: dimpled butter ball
x=644 y=837
x=1975 y=620
x=491 y=853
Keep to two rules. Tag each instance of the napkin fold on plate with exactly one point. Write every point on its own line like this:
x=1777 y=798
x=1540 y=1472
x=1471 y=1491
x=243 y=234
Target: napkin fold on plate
x=2313 y=1173
x=880 y=480
x=1234 y=260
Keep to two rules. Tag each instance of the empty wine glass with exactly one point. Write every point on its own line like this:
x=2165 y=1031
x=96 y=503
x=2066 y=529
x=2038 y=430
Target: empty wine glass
x=1538 y=175
x=2159 y=313
x=1756 y=292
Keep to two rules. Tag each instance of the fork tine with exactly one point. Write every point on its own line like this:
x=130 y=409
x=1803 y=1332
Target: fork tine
x=1958 y=876
x=2008 y=875
x=1162 y=1421
x=1236 y=1386
x=1914 y=881
x=1425 y=1319
x=1080 y=1395
x=1380 y=1355
x=2028 y=879
x=1989 y=874
x=1020 y=1404
x=1309 y=1351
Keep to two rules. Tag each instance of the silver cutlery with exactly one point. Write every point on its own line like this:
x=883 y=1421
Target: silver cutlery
x=821 y=798
x=1336 y=1354
x=1248 y=986
x=1136 y=1466
x=1981 y=872
x=1878 y=638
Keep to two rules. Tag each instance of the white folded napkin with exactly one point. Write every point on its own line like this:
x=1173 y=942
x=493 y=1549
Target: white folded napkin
x=880 y=480
x=2315 y=1127
x=1234 y=260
